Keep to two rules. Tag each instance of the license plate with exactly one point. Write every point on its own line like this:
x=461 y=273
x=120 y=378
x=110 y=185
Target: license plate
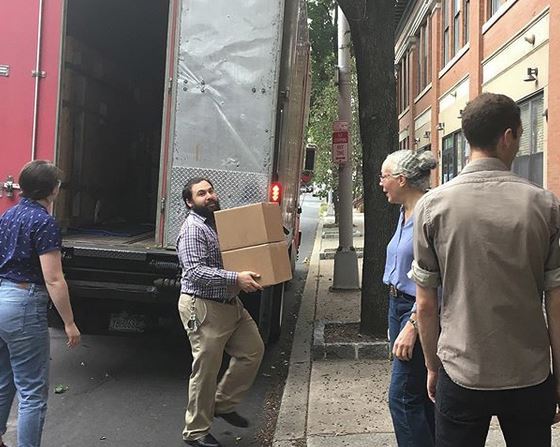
x=127 y=323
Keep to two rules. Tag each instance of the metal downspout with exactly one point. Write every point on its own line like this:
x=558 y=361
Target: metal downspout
x=37 y=74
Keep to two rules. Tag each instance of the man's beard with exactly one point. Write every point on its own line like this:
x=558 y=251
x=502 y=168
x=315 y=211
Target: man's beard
x=208 y=210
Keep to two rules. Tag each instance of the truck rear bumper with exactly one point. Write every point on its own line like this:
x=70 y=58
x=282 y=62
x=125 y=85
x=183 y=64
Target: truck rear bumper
x=115 y=291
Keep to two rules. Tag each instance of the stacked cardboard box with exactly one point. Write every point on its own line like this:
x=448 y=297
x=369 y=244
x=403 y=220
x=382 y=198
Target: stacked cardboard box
x=252 y=239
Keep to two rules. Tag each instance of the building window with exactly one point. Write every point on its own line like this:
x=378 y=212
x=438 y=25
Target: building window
x=424 y=62
x=493 y=6
x=406 y=79
x=428 y=52
x=454 y=155
x=403 y=82
x=427 y=148
x=446 y=34
x=456 y=26
x=403 y=144
x=466 y=21
x=529 y=161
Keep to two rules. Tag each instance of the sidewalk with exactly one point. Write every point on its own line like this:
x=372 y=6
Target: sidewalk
x=337 y=402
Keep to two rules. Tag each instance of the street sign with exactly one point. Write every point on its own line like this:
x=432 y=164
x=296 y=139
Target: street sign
x=340 y=138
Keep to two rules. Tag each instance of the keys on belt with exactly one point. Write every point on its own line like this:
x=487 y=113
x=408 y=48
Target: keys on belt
x=395 y=293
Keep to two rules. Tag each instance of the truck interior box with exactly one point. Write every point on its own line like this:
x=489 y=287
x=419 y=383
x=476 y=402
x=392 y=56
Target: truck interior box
x=110 y=118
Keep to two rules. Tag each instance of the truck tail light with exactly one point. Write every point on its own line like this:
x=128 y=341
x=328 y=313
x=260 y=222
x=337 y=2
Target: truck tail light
x=276 y=192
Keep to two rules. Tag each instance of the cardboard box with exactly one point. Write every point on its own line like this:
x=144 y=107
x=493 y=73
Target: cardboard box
x=246 y=226
x=271 y=261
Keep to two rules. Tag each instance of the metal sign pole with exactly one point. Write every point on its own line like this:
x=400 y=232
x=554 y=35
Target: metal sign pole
x=345 y=261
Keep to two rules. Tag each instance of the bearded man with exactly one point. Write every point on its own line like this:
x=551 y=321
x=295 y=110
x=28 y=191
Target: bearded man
x=214 y=319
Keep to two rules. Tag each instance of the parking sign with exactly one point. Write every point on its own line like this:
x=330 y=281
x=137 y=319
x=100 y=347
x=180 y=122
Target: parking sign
x=340 y=138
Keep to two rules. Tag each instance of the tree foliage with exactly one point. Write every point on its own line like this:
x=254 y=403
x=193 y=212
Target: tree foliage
x=324 y=97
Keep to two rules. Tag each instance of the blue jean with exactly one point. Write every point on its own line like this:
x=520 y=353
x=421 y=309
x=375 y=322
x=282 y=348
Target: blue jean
x=411 y=409
x=24 y=359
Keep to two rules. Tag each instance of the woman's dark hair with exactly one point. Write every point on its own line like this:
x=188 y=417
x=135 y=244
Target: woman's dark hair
x=487 y=117
x=38 y=178
x=187 y=189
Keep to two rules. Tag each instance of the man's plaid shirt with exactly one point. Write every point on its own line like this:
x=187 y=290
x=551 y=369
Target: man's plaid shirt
x=201 y=261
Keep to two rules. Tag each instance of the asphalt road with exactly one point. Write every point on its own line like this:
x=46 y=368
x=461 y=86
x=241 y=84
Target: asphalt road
x=131 y=391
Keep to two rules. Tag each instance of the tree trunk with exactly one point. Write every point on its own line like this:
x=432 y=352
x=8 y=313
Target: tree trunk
x=372 y=28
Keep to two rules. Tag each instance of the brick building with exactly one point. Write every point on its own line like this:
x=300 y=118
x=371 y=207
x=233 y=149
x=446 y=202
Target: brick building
x=450 y=51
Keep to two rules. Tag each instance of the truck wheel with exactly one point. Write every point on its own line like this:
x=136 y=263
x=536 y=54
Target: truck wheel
x=293 y=253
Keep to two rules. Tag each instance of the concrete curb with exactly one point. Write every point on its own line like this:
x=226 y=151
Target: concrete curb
x=334 y=234
x=292 y=418
x=371 y=350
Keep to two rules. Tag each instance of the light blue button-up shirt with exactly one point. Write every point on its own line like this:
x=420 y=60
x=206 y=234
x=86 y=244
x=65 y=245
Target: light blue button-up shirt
x=400 y=256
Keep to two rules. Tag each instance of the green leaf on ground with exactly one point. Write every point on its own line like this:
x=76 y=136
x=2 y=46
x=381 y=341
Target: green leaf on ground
x=59 y=389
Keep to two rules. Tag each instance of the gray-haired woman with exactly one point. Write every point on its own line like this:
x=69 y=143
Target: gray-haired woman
x=405 y=177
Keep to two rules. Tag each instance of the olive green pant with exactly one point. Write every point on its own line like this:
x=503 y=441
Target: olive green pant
x=223 y=327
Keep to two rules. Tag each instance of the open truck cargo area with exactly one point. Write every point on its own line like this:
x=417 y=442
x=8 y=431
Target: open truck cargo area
x=110 y=121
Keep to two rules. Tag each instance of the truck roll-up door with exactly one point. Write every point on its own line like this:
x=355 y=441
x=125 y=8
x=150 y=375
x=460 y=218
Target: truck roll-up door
x=29 y=77
x=225 y=94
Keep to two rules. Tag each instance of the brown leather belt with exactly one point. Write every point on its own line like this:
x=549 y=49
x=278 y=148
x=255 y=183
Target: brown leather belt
x=229 y=301
x=19 y=285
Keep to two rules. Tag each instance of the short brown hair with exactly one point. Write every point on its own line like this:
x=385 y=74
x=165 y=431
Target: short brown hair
x=187 y=189
x=38 y=178
x=487 y=117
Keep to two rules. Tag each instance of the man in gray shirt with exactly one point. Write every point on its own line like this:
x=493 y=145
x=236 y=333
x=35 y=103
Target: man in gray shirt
x=490 y=239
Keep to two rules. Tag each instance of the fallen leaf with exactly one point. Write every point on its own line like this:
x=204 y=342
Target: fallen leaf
x=59 y=389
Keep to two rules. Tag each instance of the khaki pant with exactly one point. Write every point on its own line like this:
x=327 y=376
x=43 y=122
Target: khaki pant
x=224 y=327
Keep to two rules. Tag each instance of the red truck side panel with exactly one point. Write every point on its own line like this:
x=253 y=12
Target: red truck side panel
x=19 y=23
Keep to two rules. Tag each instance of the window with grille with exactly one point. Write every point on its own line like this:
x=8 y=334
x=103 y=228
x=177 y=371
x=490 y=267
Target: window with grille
x=403 y=144
x=529 y=160
x=454 y=155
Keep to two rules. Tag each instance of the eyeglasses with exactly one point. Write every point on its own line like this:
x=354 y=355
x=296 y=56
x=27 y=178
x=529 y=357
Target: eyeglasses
x=384 y=176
